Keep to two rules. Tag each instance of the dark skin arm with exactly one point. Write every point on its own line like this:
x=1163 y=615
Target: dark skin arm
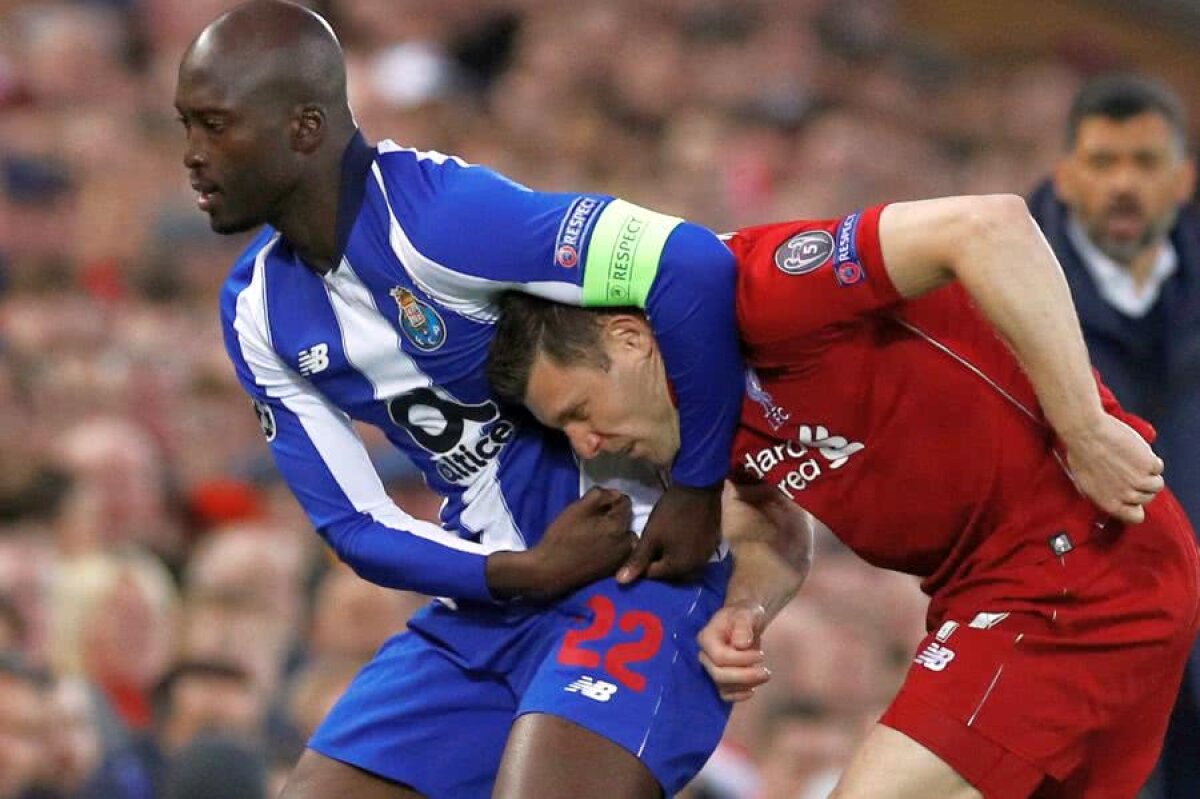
x=586 y=543
x=683 y=532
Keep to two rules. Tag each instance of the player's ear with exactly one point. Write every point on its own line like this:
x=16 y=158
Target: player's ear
x=308 y=128
x=631 y=334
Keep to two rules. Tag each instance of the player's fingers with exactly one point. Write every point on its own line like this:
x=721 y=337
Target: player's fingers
x=736 y=696
x=1135 y=497
x=598 y=496
x=1158 y=466
x=722 y=656
x=1131 y=514
x=638 y=561
x=719 y=627
x=620 y=507
x=745 y=627
x=664 y=568
x=1151 y=484
x=735 y=677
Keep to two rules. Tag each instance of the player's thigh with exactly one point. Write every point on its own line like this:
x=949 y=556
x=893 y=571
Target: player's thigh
x=414 y=716
x=320 y=777
x=552 y=758
x=622 y=667
x=890 y=765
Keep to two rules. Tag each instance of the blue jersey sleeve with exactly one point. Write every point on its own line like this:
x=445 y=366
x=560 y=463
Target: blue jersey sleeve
x=327 y=467
x=484 y=233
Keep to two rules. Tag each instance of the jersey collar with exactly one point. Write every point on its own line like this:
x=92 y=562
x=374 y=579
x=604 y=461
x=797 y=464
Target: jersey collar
x=356 y=163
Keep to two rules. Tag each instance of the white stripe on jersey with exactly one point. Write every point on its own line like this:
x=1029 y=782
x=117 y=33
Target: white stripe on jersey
x=371 y=344
x=374 y=349
x=389 y=146
x=330 y=431
x=467 y=295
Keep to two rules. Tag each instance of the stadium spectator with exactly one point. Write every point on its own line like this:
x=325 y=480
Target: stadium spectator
x=1119 y=215
x=352 y=618
x=213 y=766
x=80 y=762
x=114 y=622
x=197 y=697
x=22 y=726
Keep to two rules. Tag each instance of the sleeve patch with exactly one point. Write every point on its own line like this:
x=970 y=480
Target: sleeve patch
x=847 y=266
x=573 y=231
x=804 y=252
x=624 y=253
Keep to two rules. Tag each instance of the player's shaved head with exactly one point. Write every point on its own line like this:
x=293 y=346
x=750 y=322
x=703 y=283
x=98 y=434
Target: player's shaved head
x=262 y=97
x=271 y=51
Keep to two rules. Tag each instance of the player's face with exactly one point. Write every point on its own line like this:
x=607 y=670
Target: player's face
x=238 y=154
x=1125 y=181
x=625 y=409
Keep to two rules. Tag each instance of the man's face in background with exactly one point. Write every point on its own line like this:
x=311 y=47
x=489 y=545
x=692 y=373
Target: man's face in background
x=1124 y=180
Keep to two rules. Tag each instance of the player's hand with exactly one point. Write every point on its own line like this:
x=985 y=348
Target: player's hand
x=1115 y=468
x=731 y=650
x=681 y=535
x=587 y=542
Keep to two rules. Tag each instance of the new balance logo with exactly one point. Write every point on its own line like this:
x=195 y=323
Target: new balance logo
x=594 y=689
x=314 y=359
x=935 y=657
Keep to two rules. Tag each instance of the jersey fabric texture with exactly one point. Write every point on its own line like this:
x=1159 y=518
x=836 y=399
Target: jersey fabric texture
x=396 y=336
x=910 y=430
x=621 y=661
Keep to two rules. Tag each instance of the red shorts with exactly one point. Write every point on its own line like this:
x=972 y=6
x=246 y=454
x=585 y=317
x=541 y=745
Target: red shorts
x=1069 y=695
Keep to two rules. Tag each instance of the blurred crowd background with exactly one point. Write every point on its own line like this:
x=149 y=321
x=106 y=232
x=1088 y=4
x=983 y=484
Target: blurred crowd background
x=157 y=582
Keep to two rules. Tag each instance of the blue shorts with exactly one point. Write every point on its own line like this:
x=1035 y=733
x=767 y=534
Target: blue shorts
x=434 y=707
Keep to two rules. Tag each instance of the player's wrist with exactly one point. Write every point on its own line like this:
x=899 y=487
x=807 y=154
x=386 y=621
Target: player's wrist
x=1082 y=428
x=515 y=574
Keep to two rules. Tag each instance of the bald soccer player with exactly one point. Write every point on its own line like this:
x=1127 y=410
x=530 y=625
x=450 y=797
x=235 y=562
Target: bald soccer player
x=369 y=296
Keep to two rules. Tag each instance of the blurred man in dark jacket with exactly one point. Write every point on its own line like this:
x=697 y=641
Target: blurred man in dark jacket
x=1119 y=215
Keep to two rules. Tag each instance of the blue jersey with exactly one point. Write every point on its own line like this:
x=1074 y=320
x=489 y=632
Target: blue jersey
x=397 y=335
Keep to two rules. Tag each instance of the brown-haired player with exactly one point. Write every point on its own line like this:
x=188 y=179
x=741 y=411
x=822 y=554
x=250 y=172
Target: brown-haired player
x=919 y=384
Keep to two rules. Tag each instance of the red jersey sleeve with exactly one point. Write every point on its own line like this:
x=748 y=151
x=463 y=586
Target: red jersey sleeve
x=806 y=277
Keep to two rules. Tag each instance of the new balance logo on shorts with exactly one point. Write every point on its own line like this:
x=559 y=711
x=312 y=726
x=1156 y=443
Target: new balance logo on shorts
x=935 y=657
x=314 y=359
x=594 y=689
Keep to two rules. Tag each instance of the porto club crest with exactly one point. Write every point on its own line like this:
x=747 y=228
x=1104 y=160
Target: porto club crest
x=421 y=323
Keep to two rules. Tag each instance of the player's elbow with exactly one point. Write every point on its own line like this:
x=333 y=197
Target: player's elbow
x=992 y=217
x=986 y=224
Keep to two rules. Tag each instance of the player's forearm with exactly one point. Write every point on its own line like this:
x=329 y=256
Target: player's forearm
x=772 y=543
x=405 y=561
x=762 y=577
x=994 y=248
x=1012 y=274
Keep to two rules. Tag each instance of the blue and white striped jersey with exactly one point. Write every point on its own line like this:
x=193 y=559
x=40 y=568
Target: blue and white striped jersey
x=397 y=336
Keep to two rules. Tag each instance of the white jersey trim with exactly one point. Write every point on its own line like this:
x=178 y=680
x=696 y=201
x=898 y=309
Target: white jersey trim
x=327 y=428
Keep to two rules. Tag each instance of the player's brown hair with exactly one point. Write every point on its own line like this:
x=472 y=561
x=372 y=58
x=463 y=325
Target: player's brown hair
x=528 y=325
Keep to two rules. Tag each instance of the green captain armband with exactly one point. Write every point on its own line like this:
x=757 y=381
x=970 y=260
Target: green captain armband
x=622 y=258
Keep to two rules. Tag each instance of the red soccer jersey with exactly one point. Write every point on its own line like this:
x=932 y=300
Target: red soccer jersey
x=907 y=427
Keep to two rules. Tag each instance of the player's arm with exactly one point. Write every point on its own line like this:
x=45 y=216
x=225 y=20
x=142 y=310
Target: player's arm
x=493 y=235
x=772 y=543
x=325 y=464
x=994 y=248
